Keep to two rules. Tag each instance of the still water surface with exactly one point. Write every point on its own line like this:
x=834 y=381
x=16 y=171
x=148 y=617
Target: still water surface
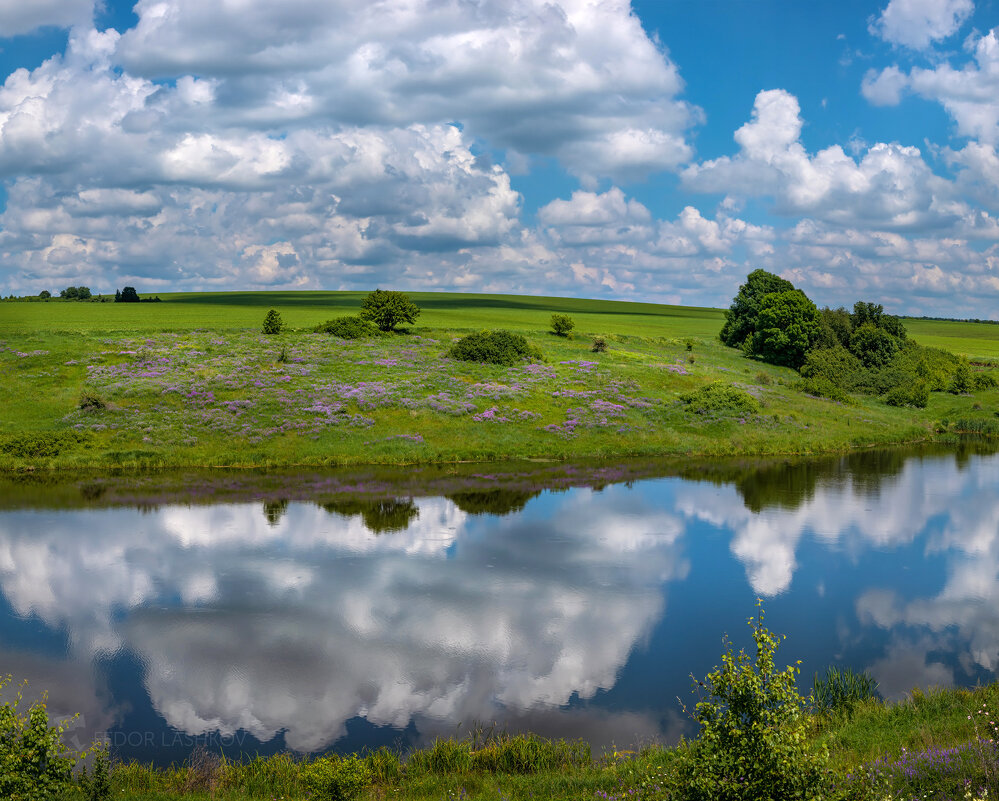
x=256 y=626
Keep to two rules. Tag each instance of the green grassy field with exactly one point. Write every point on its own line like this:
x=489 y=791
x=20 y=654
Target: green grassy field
x=237 y=310
x=191 y=381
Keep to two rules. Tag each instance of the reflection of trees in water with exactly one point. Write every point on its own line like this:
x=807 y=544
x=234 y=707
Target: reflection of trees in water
x=274 y=511
x=380 y=516
x=492 y=502
x=790 y=483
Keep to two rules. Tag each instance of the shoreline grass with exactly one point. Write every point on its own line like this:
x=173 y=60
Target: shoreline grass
x=935 y=744
x=186 y=383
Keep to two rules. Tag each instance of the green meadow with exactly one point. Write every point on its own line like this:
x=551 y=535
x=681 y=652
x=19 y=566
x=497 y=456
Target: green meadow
x=192 y=381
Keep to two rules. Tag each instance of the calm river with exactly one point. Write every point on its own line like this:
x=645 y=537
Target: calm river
x=309 y=613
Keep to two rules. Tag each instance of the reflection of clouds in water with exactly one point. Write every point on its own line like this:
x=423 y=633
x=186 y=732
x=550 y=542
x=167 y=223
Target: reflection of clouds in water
x=69 y=690
x=306 y=620
x=304 y=624
x=969 y=599
x=906 y=665
x=840 y=511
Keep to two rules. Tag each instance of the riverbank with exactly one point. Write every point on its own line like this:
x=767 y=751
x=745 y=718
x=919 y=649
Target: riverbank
x=139 y=393
x=932 y=745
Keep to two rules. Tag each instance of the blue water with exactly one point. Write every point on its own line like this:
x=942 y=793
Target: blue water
x=581 y=614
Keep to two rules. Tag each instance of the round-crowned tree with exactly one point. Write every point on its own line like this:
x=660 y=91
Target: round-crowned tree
x=787 y=326
x=388 y=309
x=741 y=318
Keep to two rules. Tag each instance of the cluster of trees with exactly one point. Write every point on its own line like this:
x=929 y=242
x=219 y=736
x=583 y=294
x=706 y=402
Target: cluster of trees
x=129 y=295
x=839 y=352
x=69 y=293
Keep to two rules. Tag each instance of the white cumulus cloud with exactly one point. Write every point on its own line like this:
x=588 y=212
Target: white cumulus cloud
x=917 y=24
x=24 y=16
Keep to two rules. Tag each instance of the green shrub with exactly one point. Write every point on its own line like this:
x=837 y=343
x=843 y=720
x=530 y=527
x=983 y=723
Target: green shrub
x=599 y=345
x=835 y=364
x=336 y=778
x=35 y=764
x=821 y=386
x=41 y=445
x=273 y=323
x=718 y=398
x=984 y=381
x=562 y=324
x=388 y=309
x=874 y=346
x=962 y=382
x=754 y=739
x=347 y=327
x=915 y=394
x=96 y=785
x=494 y=347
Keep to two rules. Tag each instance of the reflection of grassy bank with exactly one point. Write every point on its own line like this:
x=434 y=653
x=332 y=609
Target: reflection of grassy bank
x=161 y=394
x=381 y=493
x=928 y=746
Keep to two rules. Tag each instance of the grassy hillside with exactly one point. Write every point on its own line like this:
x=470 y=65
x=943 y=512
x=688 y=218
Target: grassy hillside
x=192 y=381
x=234 y=310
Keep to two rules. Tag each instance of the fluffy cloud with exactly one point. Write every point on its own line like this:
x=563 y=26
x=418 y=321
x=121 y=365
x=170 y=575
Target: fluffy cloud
x=577 y=80
x=890 y=187
x=19 y=17
x=969 y=93
x=315 y=146
x=919 y=23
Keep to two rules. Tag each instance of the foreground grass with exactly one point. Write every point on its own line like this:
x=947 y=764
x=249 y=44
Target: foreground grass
x=192 y=382
x=934 y=745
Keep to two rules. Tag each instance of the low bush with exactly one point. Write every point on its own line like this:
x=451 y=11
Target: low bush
x=837 y=365
x=273 y=324
x=41 y=445
x=348 y=327
x=823 y=387
x=35 y=763
x=754 y=739
x=962 y=382
x=494 y=347
x=915 y=393
x=336 y=778
x=599 y=345
x=718 y=398
x=984 y=381
x=89 y=402
x=562 y=324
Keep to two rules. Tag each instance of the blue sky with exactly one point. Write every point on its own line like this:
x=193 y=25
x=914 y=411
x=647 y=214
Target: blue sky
x=599 y=148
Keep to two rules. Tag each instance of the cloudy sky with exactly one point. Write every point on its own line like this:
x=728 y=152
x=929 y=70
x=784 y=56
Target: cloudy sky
x=652 y=150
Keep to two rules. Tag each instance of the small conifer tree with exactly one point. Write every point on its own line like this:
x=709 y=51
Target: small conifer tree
x=273 y=323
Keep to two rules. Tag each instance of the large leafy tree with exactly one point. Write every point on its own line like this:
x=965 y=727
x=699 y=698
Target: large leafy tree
x=741 y=317
x=388 y=309
x=788 y=325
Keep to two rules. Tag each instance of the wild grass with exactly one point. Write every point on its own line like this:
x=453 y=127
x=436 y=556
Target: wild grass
x=192 y=382
x=841 y=689
x=935 y=745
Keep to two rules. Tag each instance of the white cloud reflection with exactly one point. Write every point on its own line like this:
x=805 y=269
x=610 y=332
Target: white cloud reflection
x=306 y=623
x=305 y=620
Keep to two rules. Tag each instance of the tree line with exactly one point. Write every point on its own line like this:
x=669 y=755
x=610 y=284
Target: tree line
x=838 y=352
